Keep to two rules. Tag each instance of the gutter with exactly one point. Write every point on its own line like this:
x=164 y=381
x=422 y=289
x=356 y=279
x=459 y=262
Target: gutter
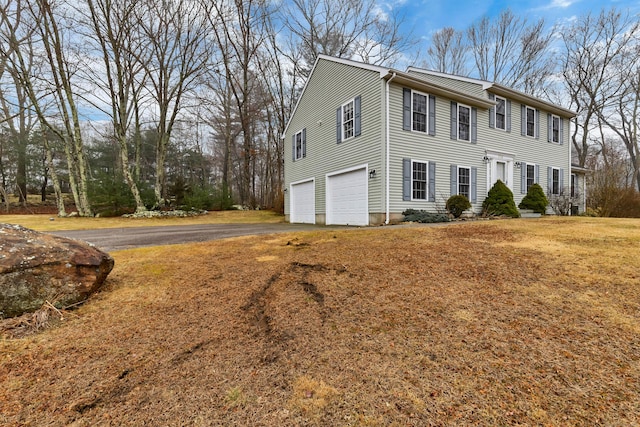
x=387 y=143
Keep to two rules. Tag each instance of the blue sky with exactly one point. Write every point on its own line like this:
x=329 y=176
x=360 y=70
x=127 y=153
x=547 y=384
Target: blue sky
x=427 y=16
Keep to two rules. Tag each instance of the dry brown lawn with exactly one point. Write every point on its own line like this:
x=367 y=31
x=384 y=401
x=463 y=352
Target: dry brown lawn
x=515 y=322
x=44 y=222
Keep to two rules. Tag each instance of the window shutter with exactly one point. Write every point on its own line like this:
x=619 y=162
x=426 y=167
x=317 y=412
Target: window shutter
x=406 y=179
x=406 y=109
x=293 y=147
x=561 y=131
x=549 y=128
x=474 y=125
x=357 y=110
x=473 y=192
x=432 y=115
x=537 y=124
x=339 y=125
x=432 y=181
x=549 y=179
x=454 y=180
x=536 y=174
x=492 y=112
x=508 y=116
x=454 y=120
x=304 y=142
x=523 y=178
x=561 y=181
x=523 y=114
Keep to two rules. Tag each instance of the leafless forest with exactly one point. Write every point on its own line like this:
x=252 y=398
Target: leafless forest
x=141 y=104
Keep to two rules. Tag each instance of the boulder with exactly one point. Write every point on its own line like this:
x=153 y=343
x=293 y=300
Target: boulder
x=37 y=267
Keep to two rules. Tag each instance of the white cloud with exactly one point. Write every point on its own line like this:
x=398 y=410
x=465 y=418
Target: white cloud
x=558 y=4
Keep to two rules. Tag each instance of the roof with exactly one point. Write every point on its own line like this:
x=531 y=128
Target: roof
x=502 y=90
x=408 y=78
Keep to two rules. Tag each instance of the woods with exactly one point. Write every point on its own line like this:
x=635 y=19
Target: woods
x=135 y=105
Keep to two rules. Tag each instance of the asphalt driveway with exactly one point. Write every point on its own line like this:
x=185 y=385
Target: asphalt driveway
x=115 y=239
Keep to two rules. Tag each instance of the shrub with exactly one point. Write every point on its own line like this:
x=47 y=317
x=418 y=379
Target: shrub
x=110 y=195
x=499 y=201
x=414 y=215
x=457 y=204
x=535 y=200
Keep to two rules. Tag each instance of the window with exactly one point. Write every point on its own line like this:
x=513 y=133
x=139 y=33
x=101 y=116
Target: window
x=464 y=123
x=300 y=143
x=419 y=112
x=555 y=129
x=501 y=113
x=419 y=180
x=555 y=181
x=531 y=121
x=574 y=180
x=348 y=123
x=464 y=182
x=530 y=175
x=349 y=120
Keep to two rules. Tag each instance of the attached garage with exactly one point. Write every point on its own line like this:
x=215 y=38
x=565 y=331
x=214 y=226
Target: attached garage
x=303 y=202
x=347 y=197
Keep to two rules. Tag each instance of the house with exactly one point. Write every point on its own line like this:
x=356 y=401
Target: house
x=365 y=143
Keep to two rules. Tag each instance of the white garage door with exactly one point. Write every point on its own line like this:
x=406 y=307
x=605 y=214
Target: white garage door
x=303 y=202
x=347 y=201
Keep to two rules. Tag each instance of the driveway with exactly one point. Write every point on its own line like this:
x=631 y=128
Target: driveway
x=115 y=239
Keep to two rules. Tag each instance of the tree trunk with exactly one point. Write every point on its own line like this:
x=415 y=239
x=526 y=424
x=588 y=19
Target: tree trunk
x=54 y=179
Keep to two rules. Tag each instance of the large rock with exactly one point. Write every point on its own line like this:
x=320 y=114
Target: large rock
x=37 y=267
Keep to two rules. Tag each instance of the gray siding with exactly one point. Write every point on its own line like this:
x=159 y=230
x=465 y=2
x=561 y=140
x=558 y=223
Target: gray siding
x=444 y=152
x=331 y=85
x=471 y=88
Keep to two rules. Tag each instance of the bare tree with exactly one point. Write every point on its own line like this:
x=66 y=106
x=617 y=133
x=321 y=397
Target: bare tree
x=593 y=46
x=240 y=32
x=52 y=82
x=176 y=32
x=448 y=52
x=621 y=113
x=123 y=54
x=358 y=29
x=15 y=102
x=512 y=52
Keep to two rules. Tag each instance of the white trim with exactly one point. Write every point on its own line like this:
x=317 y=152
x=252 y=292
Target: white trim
x=458 y=105
x=426 y=163
x=291 y=198
x=350 y=169
x=302 y=143
x=559 y=141
x=526 y=122
x=560 y=189
x=495 y=113
x=458 y=180
x=388 y=149
x=494 y=158
x=353 y=119
x=426 y=116
x=328 y=218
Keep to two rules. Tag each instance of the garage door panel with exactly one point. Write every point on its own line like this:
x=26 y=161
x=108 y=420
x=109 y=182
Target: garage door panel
x=347 y=198
x=303 y=203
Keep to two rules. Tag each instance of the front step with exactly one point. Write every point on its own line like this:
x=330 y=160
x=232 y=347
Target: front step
x=528 y=213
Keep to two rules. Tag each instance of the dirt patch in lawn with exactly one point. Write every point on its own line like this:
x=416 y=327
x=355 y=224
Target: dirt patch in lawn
x=492 y=323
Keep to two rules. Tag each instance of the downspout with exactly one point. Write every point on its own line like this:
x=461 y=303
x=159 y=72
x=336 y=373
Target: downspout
x=387 y=143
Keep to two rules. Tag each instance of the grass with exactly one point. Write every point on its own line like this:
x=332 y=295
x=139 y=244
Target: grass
x=54 y=223
x=527 y=322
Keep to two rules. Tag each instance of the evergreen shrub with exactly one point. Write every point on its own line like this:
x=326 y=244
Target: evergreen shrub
x=535 y=200
x=457 y=204
x=413 y=215
x=500 y=201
